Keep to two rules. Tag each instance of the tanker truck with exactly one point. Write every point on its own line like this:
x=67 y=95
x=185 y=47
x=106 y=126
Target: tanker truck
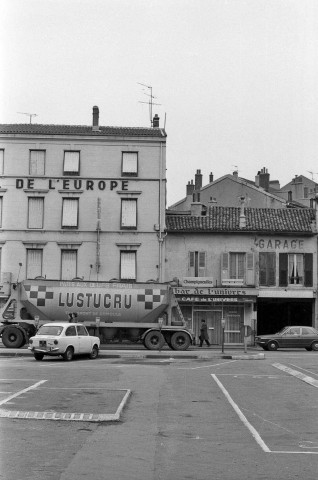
x=140 y=312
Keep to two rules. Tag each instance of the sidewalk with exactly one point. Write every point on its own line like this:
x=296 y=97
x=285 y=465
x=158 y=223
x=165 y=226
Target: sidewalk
x=138 y=351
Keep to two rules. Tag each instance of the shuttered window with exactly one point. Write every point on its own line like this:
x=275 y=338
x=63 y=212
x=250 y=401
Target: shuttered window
x=129 y=213
x=296 y=269
x=197 y=264
x=308 y=269
x=130 y=163
x=237 y=265
x=1 y=162
x=71 y=163
x=35 y=213
x=34 y=263
x=128 y=265
x=69 y=264
x=37 y=162
x=267 y=269
x=1 y=202
x=70 y=213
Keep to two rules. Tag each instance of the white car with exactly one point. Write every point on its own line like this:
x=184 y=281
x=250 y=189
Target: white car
x=65 y=339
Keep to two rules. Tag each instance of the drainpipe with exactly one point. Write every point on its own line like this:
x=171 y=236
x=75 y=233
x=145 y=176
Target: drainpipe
x=161 y=233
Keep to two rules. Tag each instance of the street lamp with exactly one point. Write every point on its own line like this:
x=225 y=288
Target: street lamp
x=223 y=327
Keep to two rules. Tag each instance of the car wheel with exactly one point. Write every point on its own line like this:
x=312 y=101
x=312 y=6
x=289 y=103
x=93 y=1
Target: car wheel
x=309 y=349
x=38 y=356
x=272 y=346
x=94 y=353
x=68 y=354
x=314 y=346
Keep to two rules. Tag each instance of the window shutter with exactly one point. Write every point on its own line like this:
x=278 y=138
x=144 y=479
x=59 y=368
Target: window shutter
x=308 y=269
x=1 y=162
x=71 y=162
x=69 y=264
x=283 y=269
x=129 y=213
x=35 y=219
x=34 y=263
x=70 y=212
x=191 y=268
x=250 y=274
x=130 y=163
x=128 y=265
x=202 y=264
x=224 y=266
x=37 y=162
x=1 y=201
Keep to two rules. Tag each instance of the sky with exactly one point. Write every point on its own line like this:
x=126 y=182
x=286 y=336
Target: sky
x=235 y=81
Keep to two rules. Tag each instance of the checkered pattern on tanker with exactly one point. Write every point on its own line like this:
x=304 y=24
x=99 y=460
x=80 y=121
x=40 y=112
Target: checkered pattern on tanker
x=152 y=297
x=40 y=293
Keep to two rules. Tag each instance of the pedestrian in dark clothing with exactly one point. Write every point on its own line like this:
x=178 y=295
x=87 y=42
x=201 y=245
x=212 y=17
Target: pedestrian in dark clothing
x=204 y=337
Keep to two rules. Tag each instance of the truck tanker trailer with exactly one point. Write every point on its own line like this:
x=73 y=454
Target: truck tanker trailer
x=145 y=312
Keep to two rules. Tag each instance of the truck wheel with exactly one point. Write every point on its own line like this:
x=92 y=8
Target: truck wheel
x=38 y=355
x=12 y=337
x=180 y=341
x=94 y=353
x=154 y=340
x=68 y=354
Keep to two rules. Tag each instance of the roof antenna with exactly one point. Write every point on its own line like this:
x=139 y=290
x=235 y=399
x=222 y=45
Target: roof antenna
x=29 y=115
x=150 y=101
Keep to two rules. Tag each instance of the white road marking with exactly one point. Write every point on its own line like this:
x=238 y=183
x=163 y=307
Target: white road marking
x=295 y=373
x=241 y=416
x=17 y=394
x=206 y=366
x=305 y=370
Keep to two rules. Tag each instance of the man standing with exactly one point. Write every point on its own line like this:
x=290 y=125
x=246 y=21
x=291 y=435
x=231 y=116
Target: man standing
x=204 y=337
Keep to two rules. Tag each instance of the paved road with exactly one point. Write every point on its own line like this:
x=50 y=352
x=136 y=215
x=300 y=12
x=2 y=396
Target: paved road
x=202 y=419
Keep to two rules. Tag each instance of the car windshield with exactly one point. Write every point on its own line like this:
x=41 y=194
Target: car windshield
x=50 y=330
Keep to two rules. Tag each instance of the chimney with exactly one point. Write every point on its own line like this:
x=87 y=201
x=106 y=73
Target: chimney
x=257 y=179
x=155 y=121
x=211 y=177
x=198 y=180
x=196 y=209
x=242 y=213
x=264 y=179
x=190 y=188
x=235 y=174
x=95 y=119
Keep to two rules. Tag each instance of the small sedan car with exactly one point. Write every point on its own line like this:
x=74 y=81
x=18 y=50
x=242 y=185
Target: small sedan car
x=65 y=339
x=290 y=337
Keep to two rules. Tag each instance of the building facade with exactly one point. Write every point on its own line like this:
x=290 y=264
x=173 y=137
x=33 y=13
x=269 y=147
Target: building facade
x=254 y=268
x=82 y=202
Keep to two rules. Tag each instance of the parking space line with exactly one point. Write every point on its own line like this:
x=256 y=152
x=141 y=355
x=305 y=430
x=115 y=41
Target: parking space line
x=295 y=373
x=241 y=416
x=14 y=395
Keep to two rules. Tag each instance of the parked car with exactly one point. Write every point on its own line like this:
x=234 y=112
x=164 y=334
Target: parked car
x=65 y=339
x=290 y=337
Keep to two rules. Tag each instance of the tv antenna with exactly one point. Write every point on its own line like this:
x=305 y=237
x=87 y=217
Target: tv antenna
x=150 y=101
x=29 y=115
x=312 y=174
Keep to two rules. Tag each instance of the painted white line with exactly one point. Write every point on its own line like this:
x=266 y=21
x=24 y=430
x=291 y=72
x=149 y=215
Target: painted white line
x=295 y=373
x=206 y=366
x=32 y=387
x=299 y=451
x=241 y=416
x=305 y=370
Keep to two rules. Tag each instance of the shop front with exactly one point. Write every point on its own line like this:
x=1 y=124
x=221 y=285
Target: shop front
x=236 y=306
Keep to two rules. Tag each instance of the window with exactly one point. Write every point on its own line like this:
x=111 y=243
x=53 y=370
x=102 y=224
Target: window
x=267 y=269
x=128 y=265
x=69 y=264
x=35 y=212
x=34 y=263
x=129 y=164
x=295 y=269
x=305 y=192
x=238 y=269
x=129 y=213
x=70 y=213
x=1 y=162
x=70 y=331
x=71 y=163
x=197 y=264
x=37 y=162
x=81 y=330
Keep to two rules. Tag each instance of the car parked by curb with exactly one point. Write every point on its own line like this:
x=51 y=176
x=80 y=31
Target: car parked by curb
x=290 y=337
x=64 y=339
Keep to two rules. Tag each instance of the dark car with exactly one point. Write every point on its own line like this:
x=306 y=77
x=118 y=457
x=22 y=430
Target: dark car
x=290 y=337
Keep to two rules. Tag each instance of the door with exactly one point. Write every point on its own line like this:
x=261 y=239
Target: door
x=84 y=339
x=232 y=332
x=290 y=338
x=213 y=321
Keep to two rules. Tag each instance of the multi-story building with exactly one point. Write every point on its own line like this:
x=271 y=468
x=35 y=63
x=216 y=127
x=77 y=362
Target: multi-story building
x=300 y=189
x=254 y=267
x=82 y=201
